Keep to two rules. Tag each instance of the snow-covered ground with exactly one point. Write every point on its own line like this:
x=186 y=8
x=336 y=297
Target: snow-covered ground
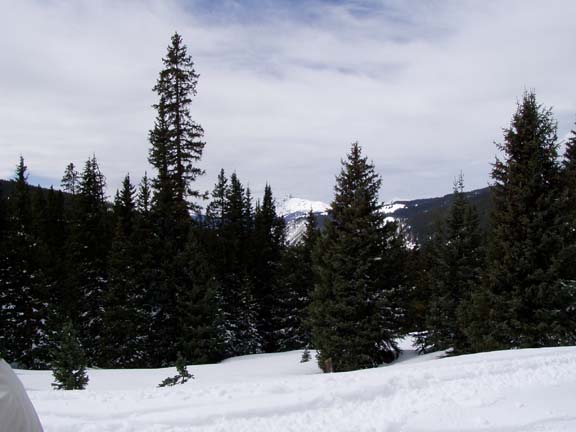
x=508 y=391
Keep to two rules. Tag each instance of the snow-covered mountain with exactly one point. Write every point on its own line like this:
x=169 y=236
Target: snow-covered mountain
x=417 y=217
x=295 y=210
x=296 y=206
x=392 y=207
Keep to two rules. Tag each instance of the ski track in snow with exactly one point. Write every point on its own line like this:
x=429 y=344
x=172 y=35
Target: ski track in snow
x=508 y=391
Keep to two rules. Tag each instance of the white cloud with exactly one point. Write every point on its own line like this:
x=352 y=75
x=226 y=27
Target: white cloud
x=424 y=86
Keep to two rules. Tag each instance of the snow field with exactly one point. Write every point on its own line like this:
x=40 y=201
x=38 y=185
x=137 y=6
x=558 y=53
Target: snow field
x=508 y=391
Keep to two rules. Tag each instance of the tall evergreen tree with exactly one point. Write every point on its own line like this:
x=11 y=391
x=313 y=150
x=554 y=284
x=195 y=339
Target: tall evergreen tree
x=86 y=258
x=457 y=260
x=124 y=319
x=523 y=302
x=70 y=180
x=296 y=284
x=268 y=245
x=216 y=208
x=125 y=207
x=569 y=208
x=200 y=326
x=51 y=233
x=419 y=268
x=176 y=147
x=146 y=243
x=23 y=337
x=176 y=138
x=354 y=311
x=144 y=198
x=230 y=253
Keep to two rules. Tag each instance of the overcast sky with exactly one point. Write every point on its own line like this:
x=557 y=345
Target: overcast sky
x=285 y=86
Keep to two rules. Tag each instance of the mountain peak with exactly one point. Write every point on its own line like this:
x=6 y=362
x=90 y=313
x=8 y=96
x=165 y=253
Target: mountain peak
x=293 y=205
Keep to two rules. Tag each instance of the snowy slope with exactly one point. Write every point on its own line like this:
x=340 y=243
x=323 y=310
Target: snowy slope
x=295 y=229
x=392 y=207
x=294 y=212
x=293 y=205
x=511 y=391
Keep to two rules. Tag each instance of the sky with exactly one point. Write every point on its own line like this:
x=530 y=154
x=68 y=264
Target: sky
x=425 y=86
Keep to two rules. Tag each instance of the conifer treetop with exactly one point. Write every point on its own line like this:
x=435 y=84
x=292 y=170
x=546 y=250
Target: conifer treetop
x=357 y=183
x=176 y=139
x=21 y=172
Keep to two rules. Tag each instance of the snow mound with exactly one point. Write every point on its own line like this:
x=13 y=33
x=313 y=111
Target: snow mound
x=521 y=390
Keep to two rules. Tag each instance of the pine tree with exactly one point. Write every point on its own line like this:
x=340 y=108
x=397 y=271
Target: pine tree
x=86 y=258
x=523 y=302
x=144 y=199
x=200 y=326
x=295 y=289
x=230 y=253
x=457 y=260
x=50 y=233
x=165 y=278
x=569 y=208
x=125 y=207
x=239 y=306
x=70 y=180
x=22 y=293
x=124 y=318
x=176 y=147
x=354 y=310
x=146 y=244
x=69 y=361
x=176 y=138
x=568 y=255
x=268 y=246
x=216 y=208
x=182 y=375
x=569 y=162
x=420 y=267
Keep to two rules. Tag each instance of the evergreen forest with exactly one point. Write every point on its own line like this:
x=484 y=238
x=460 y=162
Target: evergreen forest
x=164 y=272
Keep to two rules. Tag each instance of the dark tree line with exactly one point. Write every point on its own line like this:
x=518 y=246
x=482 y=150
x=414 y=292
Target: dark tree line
x=147 y=279
x=139 y=290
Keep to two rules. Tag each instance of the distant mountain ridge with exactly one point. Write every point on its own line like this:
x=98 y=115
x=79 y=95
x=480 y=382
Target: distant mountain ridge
x=7 y=186
x=418 y=217
x=421 y=215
